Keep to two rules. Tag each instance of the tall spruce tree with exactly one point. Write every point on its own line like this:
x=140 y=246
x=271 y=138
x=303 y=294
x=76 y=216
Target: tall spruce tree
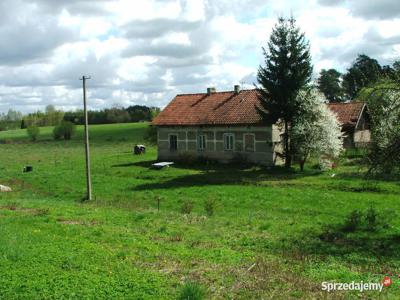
x=287 y=69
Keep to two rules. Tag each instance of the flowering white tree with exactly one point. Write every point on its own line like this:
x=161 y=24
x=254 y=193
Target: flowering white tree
x=316 y=130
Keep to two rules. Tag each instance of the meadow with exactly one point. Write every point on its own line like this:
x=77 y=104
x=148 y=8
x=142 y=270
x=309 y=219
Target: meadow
x=238 y=232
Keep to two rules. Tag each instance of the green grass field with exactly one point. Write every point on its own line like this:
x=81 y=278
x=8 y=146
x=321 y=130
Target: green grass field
x=269 y=236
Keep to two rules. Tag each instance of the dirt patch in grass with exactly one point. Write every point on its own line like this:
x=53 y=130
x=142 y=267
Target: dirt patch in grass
x=268 y=279
x=193 y=219
x=19 y=185
x=173 y=238
x=32 y=211
x=77 y=222
x=203 y=244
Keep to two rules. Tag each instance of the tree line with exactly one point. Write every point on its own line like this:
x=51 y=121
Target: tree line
x=136 y=113
x=52 y=117
x=10 y=120
x=364 y=71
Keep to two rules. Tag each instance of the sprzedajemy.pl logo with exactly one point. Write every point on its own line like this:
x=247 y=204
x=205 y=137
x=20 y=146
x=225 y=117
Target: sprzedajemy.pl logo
x=356 y=286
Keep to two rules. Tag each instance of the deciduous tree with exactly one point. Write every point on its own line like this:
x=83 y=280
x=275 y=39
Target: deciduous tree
x=363 y=72
x=329 y=83
x=316 y=130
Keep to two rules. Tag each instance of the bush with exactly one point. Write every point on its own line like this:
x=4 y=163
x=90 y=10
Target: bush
x=57 y=132
x=33 y=132
x=209 y=206
x=68 y=129
x=187 y=207
x=352 y=222
x=330 y=233
x=371 y=219
x=65 y=129
x=191 y=291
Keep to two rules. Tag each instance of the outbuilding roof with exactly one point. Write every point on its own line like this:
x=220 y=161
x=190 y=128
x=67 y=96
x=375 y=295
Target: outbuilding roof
x=347 y=113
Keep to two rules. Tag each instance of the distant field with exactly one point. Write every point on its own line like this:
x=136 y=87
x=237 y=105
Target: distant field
x=268 y=238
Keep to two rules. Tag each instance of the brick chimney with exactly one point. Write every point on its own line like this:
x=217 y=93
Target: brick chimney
x=211 y=90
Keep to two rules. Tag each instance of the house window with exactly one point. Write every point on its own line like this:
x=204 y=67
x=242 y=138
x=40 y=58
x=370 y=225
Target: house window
x=228 y=142
x=201 y=142
x=249 y=142
x=173 y=142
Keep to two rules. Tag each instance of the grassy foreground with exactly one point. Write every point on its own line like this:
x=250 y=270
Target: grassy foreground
x=269 y=236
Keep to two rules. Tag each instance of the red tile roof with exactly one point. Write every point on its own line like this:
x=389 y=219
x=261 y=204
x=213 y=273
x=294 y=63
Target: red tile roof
x=228 y=108
x=347 y=113
x=219 y=108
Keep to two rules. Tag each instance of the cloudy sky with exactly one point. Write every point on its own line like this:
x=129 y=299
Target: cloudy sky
x=145 y=52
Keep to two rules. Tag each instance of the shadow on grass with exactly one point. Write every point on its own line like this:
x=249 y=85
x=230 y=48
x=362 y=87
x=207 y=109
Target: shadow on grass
x=233 y=174
x=142 y=164
x=371 y=177
x=365 y=245
x=219 y=174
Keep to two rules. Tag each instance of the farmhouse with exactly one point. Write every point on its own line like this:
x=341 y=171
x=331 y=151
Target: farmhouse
x=221 y=126
x=355 y=121
x=226 y=126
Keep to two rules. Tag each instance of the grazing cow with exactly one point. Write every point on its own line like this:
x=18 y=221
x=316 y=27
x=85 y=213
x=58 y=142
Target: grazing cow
x=139 y=149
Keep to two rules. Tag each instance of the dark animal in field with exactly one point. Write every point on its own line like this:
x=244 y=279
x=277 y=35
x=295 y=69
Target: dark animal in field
x=139 y=149
x=28 y=169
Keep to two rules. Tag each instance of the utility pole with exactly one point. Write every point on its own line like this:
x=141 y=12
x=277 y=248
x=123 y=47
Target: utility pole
x=87 y=152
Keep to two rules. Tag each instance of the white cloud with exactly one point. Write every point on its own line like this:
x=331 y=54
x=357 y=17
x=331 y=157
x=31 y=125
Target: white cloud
x=147 y=51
